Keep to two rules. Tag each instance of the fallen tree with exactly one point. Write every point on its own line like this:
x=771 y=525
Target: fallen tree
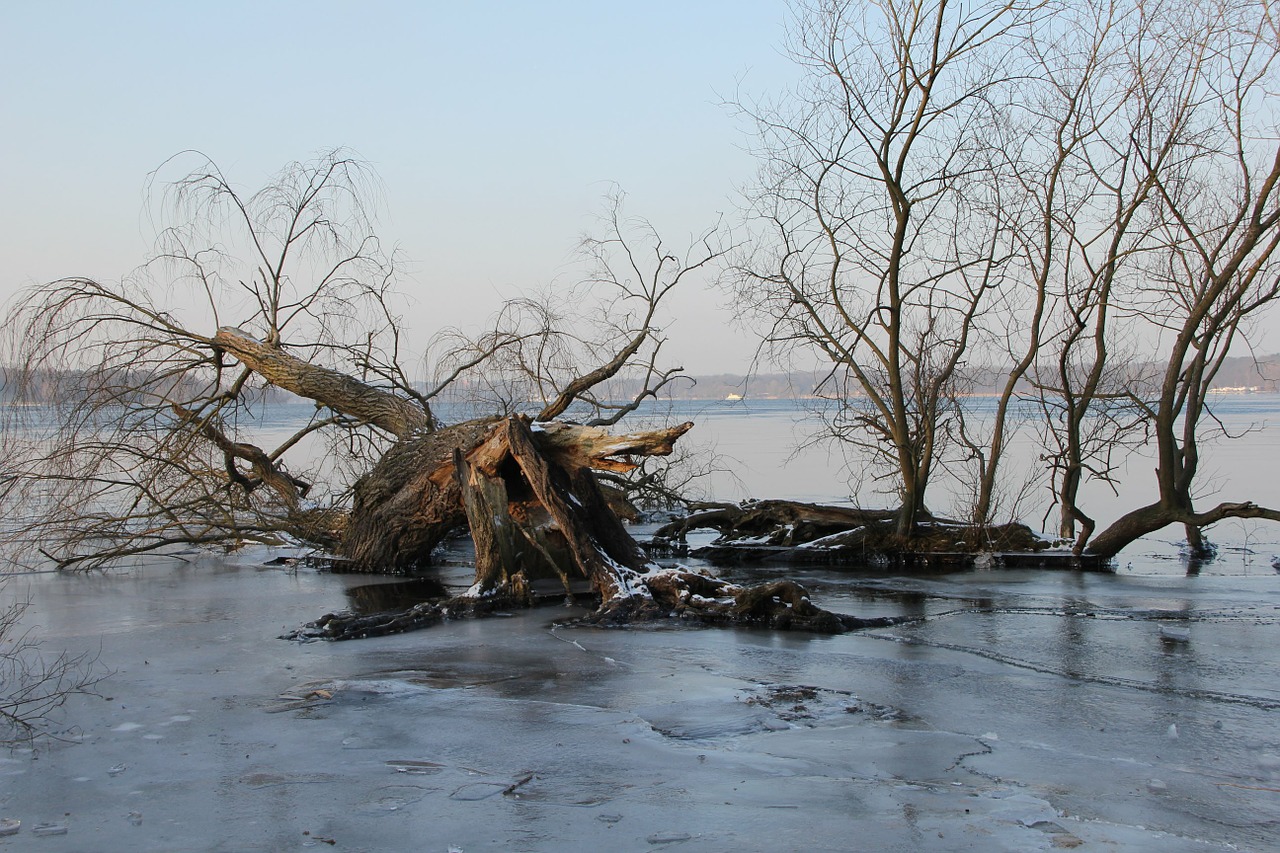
x=147 y=436
x=527 y=491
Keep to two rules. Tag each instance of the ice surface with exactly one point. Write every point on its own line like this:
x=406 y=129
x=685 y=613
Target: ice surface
x=1029 y=710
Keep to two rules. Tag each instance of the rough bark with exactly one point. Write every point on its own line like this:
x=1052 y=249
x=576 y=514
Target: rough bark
x=1148 y=519
x=410 y=501
x=397 y=415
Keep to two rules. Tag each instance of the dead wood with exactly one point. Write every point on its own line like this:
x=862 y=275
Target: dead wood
x=794 y=532
x=410 y=501
x=661 y=595
x=774 y=522
x=530 y=497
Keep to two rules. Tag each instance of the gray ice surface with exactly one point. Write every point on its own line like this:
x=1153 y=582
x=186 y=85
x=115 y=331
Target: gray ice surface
x=1031 y=710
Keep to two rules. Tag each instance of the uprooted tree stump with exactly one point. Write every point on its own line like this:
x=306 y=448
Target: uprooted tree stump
x=529 y=496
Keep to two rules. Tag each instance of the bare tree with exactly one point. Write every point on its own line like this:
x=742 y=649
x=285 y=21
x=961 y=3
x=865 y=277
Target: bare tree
x=1210 y=144
x=880 y=240
x=1022 y=186
x=1088 y=188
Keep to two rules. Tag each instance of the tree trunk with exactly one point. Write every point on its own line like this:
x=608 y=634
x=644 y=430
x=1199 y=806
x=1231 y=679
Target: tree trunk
x=1153 y=517
x=395 y=414
x=411 y=499
x=1129 y=527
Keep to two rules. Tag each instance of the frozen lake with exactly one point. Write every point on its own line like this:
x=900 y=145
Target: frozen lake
x=1028 y=710
x=1031 y=710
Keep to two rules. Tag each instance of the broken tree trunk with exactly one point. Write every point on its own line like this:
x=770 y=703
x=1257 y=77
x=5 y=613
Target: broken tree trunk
x=411 y=499
x=535 y=512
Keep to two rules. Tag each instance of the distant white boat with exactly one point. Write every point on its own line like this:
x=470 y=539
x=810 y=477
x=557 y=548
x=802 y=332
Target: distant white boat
x=733 y=398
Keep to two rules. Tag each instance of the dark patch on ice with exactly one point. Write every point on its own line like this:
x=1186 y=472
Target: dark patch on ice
x=763 y=708
x=271 y=780
x=479 y=791
x=392 y=798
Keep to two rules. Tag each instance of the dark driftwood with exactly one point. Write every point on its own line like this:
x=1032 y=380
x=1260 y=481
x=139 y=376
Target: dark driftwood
x=793 y=532
x=685 y=596
x=775 y=522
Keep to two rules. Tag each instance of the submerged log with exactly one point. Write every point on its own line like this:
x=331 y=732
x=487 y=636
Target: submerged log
x=794 y=532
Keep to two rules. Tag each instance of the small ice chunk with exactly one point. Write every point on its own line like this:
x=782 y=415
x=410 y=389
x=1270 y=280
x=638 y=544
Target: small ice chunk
x=1157 y=786
x=135 y=818
x=668 y=837
x=1172 y=732
x=10 y=826
x=127 y=727
x=1175 y=633
x=41 y=830
x=1026 y=810
x=117 y=770
x=989 y=736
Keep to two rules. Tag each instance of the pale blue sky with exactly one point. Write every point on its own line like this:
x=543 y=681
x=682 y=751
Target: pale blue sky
x=495 y=127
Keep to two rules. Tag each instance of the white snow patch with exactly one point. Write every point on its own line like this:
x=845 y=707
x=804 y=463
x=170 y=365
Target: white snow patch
x=831 y=540
x=477 y=591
